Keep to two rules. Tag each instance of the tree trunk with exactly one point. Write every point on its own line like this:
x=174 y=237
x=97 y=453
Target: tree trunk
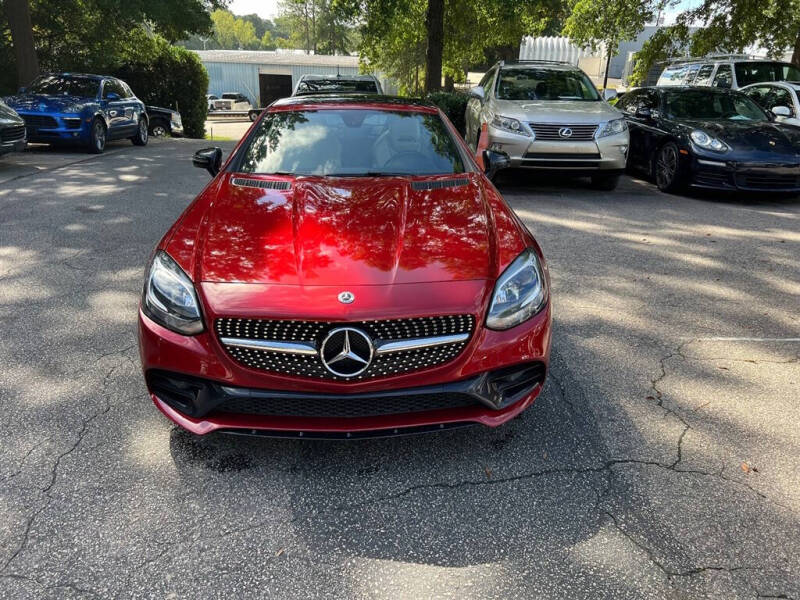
x=19 y=21
x=449 y=84
x=434 y=23
x=796 y=53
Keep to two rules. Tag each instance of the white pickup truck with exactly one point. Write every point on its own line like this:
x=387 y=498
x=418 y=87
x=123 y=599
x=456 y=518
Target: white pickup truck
x=230 y=101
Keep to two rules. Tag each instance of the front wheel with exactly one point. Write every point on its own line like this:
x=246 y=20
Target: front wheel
x=668 y=173
x=159 y=128
x=140 y=139
x=605 y=183
x=97 y=137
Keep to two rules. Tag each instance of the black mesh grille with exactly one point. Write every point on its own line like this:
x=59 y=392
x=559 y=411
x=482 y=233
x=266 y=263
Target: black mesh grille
x=382 y=365
x=775 y=181
x=261 y=183
x=37 y=121
x=346 y=407
x=439 y=184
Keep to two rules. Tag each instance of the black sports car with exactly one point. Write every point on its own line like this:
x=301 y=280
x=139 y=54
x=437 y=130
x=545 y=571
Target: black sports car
x=12 y=130
x=709 y=138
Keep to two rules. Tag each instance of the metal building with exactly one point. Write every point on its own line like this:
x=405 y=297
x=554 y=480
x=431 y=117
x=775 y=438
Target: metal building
x=265 y=76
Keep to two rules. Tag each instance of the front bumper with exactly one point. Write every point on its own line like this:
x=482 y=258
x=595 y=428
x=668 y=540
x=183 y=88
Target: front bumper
x=202 y=389
x=609 y=153
x=711 y=173
x=49 y=128
x=15 y=146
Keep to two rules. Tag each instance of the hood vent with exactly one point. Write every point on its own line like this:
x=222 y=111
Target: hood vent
x=439 y=184
x=260 y=183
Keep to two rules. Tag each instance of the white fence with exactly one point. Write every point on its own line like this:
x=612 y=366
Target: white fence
x=552 y=48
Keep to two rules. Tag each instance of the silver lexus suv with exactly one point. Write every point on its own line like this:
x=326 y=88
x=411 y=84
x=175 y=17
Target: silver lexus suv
x=549 y=116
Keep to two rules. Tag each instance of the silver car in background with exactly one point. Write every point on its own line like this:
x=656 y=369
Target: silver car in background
x=549 y=116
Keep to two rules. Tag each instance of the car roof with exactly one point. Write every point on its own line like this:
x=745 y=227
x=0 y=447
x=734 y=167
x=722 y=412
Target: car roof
x=535 y=64
x=370 y=100
x=310 y=76
x=685 y=88
x=85 y=75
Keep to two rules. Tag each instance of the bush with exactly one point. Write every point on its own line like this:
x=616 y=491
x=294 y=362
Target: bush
x=168 y=76
x=454 y=105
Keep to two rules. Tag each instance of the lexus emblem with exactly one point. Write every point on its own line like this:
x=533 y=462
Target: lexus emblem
x=565 y=132
x=346 y=297
x=346 y=351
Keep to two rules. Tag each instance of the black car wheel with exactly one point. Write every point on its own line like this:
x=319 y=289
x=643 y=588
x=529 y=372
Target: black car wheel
x=253 y=114
x=605 y=183
x=97 y=137
x=158 y=128
x=140 y=139
x=668 y=172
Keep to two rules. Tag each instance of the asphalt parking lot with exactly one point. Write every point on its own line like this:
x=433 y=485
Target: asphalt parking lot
x=661 y=461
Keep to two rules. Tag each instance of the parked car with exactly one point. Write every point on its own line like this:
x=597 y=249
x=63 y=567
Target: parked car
x=337 y=84
x=780 y=98
x=710 y=138
x=358 y=275
x=164 y=121
x=81 y=109
x=231 y=101
x=549 y=116
x=12 y=130
x=210 y=98
x=732 y=71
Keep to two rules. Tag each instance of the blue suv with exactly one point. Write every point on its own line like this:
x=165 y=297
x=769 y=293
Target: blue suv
x=80 y=109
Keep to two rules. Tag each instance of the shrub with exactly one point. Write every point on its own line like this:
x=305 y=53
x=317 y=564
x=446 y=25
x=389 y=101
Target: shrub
x=168 y=76
x=454 y=105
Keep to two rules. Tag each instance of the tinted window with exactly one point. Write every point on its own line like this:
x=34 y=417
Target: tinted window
x=704 y=75
x=545 y=84
x=690 y=73
x=724 y=77
x=756 y=72
x=487 y=79
x=111 y=86
x=770 y=96
x=60 y=85
x=675 y=75
x=711 y=106
x=312 y=86
x=352 y=142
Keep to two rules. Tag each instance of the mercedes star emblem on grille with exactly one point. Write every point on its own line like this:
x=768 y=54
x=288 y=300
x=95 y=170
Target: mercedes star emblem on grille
x=565 y=132
x=346 y=297
x=346 y=351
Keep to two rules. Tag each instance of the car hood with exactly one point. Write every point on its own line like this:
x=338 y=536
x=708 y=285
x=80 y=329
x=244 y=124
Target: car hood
x=752 y=138
x=54 y=104
x=574 y=112
x=342 y=231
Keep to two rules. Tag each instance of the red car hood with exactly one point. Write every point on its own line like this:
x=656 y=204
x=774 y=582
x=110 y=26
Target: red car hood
x=339 y=231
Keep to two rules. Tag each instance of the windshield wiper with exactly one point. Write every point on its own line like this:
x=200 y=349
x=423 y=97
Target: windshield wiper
x=369 y=174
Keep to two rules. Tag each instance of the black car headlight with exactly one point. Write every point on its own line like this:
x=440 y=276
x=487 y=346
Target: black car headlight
x=169 y=297
x=519 y=294
x=703 y=140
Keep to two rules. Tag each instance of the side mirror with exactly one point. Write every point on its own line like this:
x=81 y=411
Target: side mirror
x=209 y=159
x=478 y=93
x=609 y=94
x=494 y=162
x=642 y=112
x=781 y=111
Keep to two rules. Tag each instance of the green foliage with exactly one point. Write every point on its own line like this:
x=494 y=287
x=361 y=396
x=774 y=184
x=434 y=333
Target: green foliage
x=608 y=22
x=320 y=26
x=453 y=104
x=168 y=76
x=393 y=34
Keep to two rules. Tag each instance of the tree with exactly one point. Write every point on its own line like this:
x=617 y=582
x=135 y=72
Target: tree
x=434 y=26
x=19 y=21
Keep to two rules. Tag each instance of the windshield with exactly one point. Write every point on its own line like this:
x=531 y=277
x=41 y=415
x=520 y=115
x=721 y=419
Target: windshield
x=352 y=142
x=545 y=84
x=712 y=106
x=60 y=85
x=757 y=72
x=313 y=86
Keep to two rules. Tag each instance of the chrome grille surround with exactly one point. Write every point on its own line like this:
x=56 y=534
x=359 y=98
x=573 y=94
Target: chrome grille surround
x=548 y=132
x=287 y=342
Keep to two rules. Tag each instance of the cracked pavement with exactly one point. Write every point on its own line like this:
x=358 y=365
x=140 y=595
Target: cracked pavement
x=659 y=462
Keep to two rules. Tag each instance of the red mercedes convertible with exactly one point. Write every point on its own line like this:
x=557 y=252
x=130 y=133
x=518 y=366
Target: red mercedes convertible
x=349 y=271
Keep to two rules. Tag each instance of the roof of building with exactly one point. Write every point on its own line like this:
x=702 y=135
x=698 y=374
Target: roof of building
x=265 y=57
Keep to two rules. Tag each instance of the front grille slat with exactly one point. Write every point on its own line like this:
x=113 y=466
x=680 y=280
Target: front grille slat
x=40 y=121
x=549 y=132
x=313 y=332
x=12 y=134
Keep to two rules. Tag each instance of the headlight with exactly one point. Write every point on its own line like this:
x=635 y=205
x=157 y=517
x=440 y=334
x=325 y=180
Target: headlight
x=702 y=139
x=169 y=297
x=613 y=128
x=520 y=292
x=509 y=124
